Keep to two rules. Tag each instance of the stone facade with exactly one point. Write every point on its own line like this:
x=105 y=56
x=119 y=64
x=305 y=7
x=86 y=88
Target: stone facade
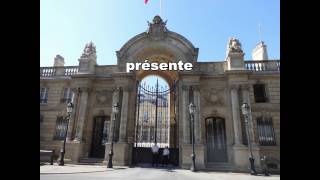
x=219 y=89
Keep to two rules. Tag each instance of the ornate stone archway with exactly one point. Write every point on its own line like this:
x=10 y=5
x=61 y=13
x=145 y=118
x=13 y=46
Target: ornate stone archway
x=158 y=44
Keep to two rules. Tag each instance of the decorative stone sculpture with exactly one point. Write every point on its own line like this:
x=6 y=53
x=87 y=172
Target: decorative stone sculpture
x=213 y=97
x=89 y=49
x=157 y=29
x=234 y=45
x=103 y=97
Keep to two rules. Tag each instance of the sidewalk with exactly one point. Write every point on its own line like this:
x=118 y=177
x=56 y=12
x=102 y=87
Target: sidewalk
x=98 y=172
x=72 y=169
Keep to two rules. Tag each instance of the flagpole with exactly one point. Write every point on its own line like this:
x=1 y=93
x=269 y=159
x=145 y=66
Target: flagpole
x=160 y=8
x=260 y=32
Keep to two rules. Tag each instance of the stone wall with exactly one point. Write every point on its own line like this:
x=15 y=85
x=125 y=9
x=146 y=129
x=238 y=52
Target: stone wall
x=214 y=101
x=51 y=110
x=270 y=109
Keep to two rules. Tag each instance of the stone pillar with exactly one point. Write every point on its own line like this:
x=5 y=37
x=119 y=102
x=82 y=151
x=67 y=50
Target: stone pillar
x=185 y=115
x=241 y=152
x=115 y=99
x=236 y=114
x=235 y=55
x=73 y=115
x=246 y=99
x=59 y=65
x=82 y=112
x=124 y=115
x=185 y=150
x=58 y=61
x=197 y=116
x=88 y=59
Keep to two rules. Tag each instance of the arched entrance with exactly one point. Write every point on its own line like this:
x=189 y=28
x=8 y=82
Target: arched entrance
x=155 y=121
x=157 y=44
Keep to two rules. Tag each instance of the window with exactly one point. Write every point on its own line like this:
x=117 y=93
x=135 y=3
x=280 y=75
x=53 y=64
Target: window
x=67 y=95
x=43 y=95
x=145 y=117
x=266 y=131
x=145 y=134
x=41 y=118
x=61 y=126
x=259 y=93
x=151 y=136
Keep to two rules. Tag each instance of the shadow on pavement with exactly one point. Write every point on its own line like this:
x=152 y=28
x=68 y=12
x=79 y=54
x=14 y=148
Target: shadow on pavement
x=118 y=168
x=169 y=168
x=74 y=172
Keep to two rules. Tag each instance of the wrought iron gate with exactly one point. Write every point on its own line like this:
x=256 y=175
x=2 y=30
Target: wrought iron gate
x=153 y=119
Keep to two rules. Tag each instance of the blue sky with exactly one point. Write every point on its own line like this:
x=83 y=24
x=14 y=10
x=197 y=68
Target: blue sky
x=67 y=25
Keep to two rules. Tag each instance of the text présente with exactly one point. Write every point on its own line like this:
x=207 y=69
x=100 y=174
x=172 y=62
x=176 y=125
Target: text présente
x=154 y=66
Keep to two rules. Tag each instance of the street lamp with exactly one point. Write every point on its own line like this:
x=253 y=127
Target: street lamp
x=63 y=150
x=192 y=108
x=115 y=110
x=245 y=111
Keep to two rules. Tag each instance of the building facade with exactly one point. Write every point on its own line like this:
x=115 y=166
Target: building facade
x=217 y=89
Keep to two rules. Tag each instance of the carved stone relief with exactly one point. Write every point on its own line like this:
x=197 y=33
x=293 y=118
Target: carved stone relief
x=213 y=97
x=103 y=97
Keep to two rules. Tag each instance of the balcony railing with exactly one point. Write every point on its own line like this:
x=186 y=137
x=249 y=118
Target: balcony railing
x=47 y=71
x=70 y=70
x=58 y=71
x=265 y=65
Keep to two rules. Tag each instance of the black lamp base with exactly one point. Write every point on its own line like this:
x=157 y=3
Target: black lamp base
x=110 y=161
x=193 y=165
x=61 y=162
x=252 y=168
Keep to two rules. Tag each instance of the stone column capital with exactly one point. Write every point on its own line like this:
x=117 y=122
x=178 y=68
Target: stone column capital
x=74 y=89
x=245 y=87
x=84 y=89
x=115 y=89
x=127 y=88
x=195 y=87
x=185 y=87
x=234 y=86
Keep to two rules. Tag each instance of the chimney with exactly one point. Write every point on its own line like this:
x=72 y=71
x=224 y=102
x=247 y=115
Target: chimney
x=260 y=52
x=58 y=61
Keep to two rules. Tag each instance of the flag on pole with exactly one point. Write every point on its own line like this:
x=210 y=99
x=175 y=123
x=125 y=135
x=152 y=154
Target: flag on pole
x=146 y=1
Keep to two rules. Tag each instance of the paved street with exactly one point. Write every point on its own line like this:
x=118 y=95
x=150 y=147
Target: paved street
x=82 y=172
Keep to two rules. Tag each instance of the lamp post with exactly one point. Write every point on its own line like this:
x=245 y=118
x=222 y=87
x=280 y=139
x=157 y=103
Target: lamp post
x=245 y=111
x=115 y=110
x=193 y=155
x=63 y=150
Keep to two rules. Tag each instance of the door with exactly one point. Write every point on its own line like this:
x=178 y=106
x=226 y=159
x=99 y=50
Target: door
x=99 y=136
x=216 y=140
